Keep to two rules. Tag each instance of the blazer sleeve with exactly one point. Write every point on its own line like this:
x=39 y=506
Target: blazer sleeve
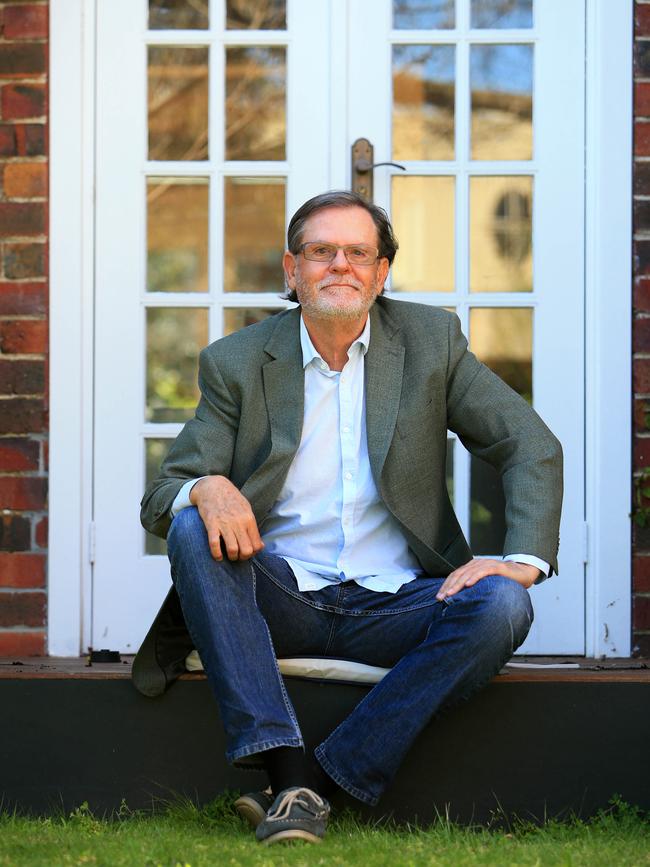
x=205 y=446
x=497 y=425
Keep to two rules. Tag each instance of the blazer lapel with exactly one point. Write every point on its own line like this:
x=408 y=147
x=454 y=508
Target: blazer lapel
x=384 y=369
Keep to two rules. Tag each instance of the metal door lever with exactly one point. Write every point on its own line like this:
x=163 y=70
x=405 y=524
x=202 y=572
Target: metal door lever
x=362 y=168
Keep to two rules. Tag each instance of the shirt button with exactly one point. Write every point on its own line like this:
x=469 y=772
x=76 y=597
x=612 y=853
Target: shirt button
x=348 y=476
x=346 y=429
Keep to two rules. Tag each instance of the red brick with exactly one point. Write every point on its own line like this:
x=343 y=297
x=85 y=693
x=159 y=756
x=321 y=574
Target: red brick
x=642 y=59
x=18 y=455
x=641 y=335
x=641 y=453
x=31 y=140
x=641 y=19
x=22 y=609
x=21 y=377
x=20 y=415
x=641 y=375
x=25 y=22
x=641 y=138
x=642 y=99
x=641 y=174
x=8 y=143
x=45 y=446
x=641 y=574
x=641 y=294
x=22 y=299
x=17 y=644
x=24 y=261
x=641 y=214
x=41 y=533
x=20 y=101
x=27 y=493
x=25 y=180
x=21 y=218
x=642 y=415
x=15 y=535
x=18 y=61
x=24 y=336
x=22 y=570
x=641 y=612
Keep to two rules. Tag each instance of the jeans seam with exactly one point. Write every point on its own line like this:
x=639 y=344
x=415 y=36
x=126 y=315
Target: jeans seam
x=340 y=780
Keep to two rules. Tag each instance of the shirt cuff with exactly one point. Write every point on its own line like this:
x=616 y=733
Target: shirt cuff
x=182 y=499
x=530 y=560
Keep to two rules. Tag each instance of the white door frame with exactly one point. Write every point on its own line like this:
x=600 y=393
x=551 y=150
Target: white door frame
x=608 y=205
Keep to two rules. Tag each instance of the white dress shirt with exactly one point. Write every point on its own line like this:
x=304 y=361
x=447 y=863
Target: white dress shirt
x=329 y=522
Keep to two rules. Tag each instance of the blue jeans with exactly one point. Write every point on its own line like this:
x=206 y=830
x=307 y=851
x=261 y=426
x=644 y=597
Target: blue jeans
x=242 y=615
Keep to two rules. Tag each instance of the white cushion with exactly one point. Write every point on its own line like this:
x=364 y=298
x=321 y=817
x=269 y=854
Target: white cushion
x=314 y=667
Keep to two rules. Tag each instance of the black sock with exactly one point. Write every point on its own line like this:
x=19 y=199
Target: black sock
x=288 y=767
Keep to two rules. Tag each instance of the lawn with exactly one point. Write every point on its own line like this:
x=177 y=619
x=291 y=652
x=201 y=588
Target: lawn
x=182 y=835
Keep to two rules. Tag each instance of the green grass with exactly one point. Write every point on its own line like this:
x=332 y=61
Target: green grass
x=182 y=835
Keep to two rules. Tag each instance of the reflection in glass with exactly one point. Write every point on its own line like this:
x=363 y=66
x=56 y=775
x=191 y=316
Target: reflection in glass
x=235 y=318
x=178 y=14
x=487 y=509
x=177 y=234
x=502 y=102
x=178 y=102
x=175 y=336
x=254 y=234
x=255 y=102
x=256 y=14
x=423 y=217
x=500 y=232
x=155 y=452
x=449 y=469
x=423 y=102
x=502 y=13
x=502 y=338
x=423 y=14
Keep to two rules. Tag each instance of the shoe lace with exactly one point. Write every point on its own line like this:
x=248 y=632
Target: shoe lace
x=304 y=797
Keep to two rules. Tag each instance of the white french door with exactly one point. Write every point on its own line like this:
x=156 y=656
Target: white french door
x=215 y=121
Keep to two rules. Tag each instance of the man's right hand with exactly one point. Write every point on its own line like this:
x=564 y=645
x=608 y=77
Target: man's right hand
x=228 y=519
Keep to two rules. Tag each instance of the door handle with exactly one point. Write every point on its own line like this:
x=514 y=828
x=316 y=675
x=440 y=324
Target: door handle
x=363 y=168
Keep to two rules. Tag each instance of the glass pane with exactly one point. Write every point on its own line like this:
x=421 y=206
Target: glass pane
x=423 y=216
x=256 y=102
x=423 y=102
x=178 y=102
x=178 y=14
x=177 y=234
x=502 y=102
x=449 y=469
x=502 y=338
x=254 y=234
x=423 y=14
x=256 y=14
x=235 y=318
x=155 y=452
x=175 y=336
x=487 y=509
x=501 y=232
x=502 y=13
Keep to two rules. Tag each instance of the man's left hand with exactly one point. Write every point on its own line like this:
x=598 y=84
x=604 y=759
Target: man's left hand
x=478 y=568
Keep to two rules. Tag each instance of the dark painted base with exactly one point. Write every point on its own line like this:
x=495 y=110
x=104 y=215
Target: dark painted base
x=530 y=749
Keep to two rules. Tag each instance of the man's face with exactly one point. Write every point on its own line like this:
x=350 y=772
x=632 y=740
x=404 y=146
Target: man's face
x=337 y=289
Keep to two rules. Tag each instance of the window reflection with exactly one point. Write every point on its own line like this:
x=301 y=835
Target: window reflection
x=502 y=13
x=155 y=452
x=423 y=14
x=487 y=509
x=235 y=318
x=502 y=102
x=178 y=14
x=256 y=14
x=502 y=338
x=423 y=102
x=255 y=102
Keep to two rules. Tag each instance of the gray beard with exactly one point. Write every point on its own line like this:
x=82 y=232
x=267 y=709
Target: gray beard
x=321 y=307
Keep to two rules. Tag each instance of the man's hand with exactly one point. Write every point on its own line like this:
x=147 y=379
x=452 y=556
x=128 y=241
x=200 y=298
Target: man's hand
x=478 y=568
x=228 y=519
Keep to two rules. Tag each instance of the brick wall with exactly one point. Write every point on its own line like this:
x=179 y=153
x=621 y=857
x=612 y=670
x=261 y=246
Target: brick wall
x=23 y=325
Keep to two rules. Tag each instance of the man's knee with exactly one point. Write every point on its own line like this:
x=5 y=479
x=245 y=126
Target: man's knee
x=187 y=529
x=509 y=604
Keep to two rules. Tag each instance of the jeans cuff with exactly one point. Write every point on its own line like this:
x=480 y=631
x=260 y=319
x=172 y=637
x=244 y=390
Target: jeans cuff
x=235 y=756
x=331 y=771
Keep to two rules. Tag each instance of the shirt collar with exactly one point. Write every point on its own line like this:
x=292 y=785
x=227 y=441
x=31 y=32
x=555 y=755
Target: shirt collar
x=309 y=351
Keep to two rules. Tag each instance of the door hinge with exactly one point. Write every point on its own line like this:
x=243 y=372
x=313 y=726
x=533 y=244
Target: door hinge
x=585 y=542
x=91 y=542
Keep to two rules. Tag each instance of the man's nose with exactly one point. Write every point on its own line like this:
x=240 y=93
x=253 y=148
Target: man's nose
x=339 y=262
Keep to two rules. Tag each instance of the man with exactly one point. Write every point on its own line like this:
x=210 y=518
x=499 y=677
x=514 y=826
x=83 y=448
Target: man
x=310 y=516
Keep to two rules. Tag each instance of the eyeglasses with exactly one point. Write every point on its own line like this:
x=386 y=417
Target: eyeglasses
x=356 y=254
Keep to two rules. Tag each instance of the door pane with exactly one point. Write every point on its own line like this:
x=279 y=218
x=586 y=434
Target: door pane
x=502 y=338
x=449 y=469
x=254 y=234
x=175 y=336
x=256 y=14
x=256 y=102
x=423 y=14
x=177 y=234
x=487 y=509
x=502 y=102
x=501 y=231
x=155 y=452
x=502 y=13
x=423 y=216
x=178 y=14
x=235 y=318
x=178 y=102
x=423 y=102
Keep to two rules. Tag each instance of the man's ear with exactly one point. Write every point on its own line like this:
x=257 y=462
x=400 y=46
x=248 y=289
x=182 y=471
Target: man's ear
x=382 y=273
x=289 y=265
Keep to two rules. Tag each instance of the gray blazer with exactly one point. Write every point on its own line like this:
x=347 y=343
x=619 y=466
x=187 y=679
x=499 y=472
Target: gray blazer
x=421 y=380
